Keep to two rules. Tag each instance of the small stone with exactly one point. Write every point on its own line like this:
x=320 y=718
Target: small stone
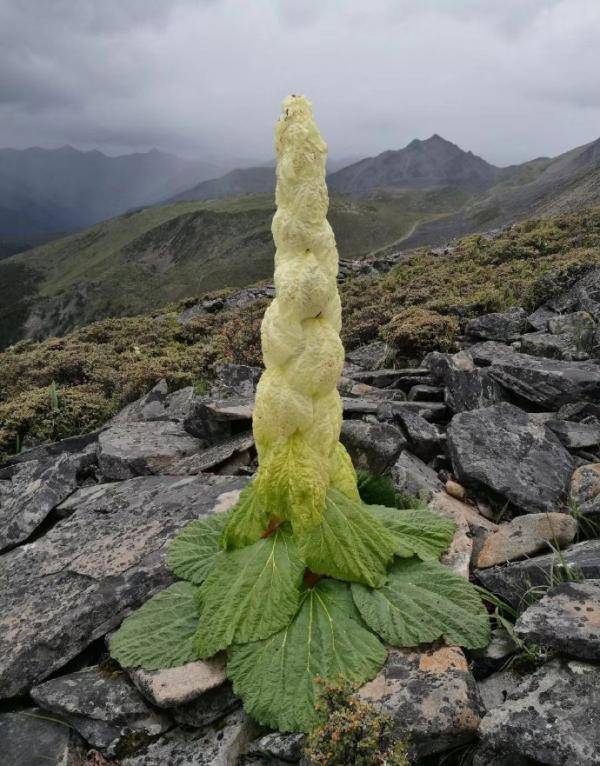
x=525 y=536
x=424 y=438
x=372 y=446
x=567 y=619
x=585 y=489
x=171 y=687
x=454 y=489
x=28 y=738
x=431 y=696
x=414 y=478
x=552 y=717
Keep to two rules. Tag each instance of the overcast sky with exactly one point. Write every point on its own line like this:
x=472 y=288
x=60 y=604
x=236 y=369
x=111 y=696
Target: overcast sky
x=508 y=79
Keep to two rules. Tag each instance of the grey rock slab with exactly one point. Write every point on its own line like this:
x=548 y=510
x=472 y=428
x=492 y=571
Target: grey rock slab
x=103 y=707
x=552 y=717
x=171 y=687
x=495 y=688
x=73 y=444
x=28 y=738
x=503 y=450
x=424 y=438
x=372 y=446
x=585 y=489
x=575 y=435
x=139 y=449
x=282 y=747
x=369 y=357
x=431 y=696
x=235 y=380
x=583 y=295
x=426 y=393
x=151 y=406
x=432 y=411
x=466 y=386
x=213 y=457
x=567 y=618
x=505 y=326
x=540 y=317
x=514 y=581
x=579 y=324
x=524 y=536
x=30 y=490
x=548 y=383
x=551 y=346
x=207 y=708
x=403 y=378
x=412 y=476
x=77 y=582
x=220 y=745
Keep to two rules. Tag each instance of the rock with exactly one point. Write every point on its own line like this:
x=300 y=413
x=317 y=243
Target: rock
x=213 y=457
x=235 y=380
x=173 y=687
x=422 y=393
x=585 y=489
x=485 y=756
x=139 y=449
x=424 y=439
x=78 y=581
x=579 y=325
x=441 y=502
x=404 y=378
x=584 y=295
x=553 y=716
x=548 y=383
x=540 y=317
x=431 y=696
x=455 y=489
x=370 y=357
x=28 y=738
x=372 y=446
x=525 y=536
x=208 y=708
x=103 y=707
x=567 y=619
x=493 y=657
x=73 y=444
x=413 y=477
x=514 y=581
x=466 y=386
x=587 y=412
x=575 y=435
x=281 y=747
x=552 y=346
x=210 y=422
x=495 y=688
x=150 y=407
x=219 y=745
x=501 y=449
x=505 y=326
x=30 y=490
x=431 y=411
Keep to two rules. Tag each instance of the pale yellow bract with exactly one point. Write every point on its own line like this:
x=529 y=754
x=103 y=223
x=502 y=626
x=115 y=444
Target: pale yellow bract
x=298 y=411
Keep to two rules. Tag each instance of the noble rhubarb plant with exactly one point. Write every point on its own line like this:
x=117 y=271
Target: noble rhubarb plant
x=301 y=581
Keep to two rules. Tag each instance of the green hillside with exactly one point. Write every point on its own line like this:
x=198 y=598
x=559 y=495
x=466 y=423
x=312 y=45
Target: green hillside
x=144 y=259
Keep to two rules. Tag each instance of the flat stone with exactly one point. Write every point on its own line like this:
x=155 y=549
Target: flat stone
x=575 y=435
x=431 y=696
x=369 y=357
x=493 y=658
x=424 y=438
x=404 y=378
x=514 y=581
x=583 y=295
x=103 y=707
x=28 y=738
x=548 y=383
x=540 y=317
x=423 y=393
x=349 y=387
x=585 y=489
x=208 y=708
x=503 y=450
x=152 y=406
x=235 y=380
x=281 y=747
x=432 y=411
x=372 y=446
x=505 y=326
x=139 y=449
x=220 y=745
x=553 y=716
x=495 y=689
x=213 y=457
x=77 y=582
x=73 y=444
x=443 y=503
x=551 y=346
x=173 y=687
x=240 y=408
x=413 y=477
x=579 y=324
x=567 y=619
x=466 y=386
x=30 y=490
x=525 y=536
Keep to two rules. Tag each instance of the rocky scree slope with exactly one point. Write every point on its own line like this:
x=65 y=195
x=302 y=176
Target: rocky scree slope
x=500 y=432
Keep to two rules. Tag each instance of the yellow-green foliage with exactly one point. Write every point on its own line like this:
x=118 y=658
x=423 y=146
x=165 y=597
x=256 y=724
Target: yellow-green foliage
x=353 y=733
x=109 y=363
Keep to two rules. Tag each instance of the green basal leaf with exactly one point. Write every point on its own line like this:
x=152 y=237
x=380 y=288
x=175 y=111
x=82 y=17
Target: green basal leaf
x=192 y=553
x=419 y=532
x=160 y=634
x=349 y=544
x=249 y=594
x=376 y=489
x=277 y=678
x=246 y=521
x=421 y=602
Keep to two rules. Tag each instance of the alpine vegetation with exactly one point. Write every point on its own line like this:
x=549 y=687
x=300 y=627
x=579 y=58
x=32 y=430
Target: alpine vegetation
x=301 y=582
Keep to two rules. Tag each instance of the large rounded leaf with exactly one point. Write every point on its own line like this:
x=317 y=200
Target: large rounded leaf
x=419 y=532
x=192 y=553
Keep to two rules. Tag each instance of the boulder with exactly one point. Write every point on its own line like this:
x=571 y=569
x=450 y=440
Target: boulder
x=235 y=380
x=551 y=346
x=575 y=436
x=372 y=446
x=210 y=420
x=548 y=383
x=585 y=489
x=86 y=443
x=370 y=357
x=30 y=738
x=567 y=619
x=78 y=581
x=424 y=438
x=524 y=536
x=580 y=325
x=30 y=490
x=218 y=745
x=583 y=295
x=103 y=707
x=404 y=378
x=466 y=386
x=540 y=317
x=151 y=406
x=172 y=687
x=552 y=717
x=431 y=696
x=139 y=449
x=514 y=582
x=503 y=450
x=413 y=477
x=505 y=326
x=220 y=456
